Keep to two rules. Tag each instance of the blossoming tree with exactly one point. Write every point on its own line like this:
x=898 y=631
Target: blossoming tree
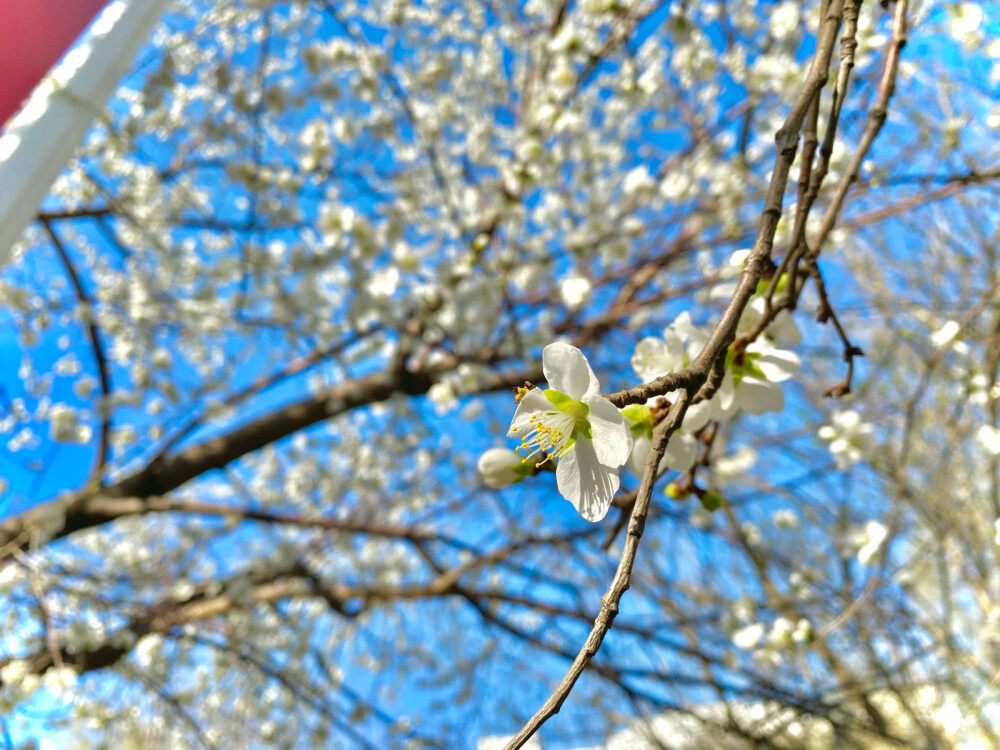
x=340 y=302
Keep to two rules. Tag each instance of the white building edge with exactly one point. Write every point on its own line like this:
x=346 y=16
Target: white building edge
x=40 y=139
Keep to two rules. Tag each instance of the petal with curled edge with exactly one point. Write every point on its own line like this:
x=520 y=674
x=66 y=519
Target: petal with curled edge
x=567 y=371
x=776 y=364
x=533 y=401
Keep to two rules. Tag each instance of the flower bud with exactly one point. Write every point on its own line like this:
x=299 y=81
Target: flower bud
x=712 y=501
x=500 y=467
x=675 y=491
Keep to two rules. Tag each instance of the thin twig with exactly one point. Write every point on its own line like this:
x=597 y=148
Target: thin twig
x=697 y=373
x=98 y=348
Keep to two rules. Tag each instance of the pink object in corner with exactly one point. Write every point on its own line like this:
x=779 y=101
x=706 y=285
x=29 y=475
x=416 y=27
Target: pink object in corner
x=34 y=34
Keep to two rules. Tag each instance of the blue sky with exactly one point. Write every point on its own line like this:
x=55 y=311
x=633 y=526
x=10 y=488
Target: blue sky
x=68 y=466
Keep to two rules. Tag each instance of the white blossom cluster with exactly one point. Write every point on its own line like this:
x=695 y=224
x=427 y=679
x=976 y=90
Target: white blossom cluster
x=570 y=423
x=370 y=214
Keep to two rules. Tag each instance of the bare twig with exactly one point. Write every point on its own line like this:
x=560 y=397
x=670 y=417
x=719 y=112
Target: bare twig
x=87 y=309
x=698 y=372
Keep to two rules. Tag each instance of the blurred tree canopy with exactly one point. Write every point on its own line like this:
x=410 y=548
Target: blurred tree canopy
x=272 y=313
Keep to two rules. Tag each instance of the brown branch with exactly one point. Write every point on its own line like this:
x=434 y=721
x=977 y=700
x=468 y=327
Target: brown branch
x=619 y=584
x=698 y=372
x=812 y=180
x=953 y=186
x=876 y=119
x=827 y=313
x=293 y=368
x=801 y=253
x=173 y=471
x=87 y=308
x=290 y=580
x=77 y=213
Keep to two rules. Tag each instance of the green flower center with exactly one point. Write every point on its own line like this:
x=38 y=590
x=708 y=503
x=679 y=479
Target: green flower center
x=743 y=365
x=552 y=433
x=576 y=409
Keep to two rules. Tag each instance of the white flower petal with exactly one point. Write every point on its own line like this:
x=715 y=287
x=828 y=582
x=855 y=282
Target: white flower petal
x=697 y=416
x=945 y=333
x=748 y=636
x=567 y=371
x=760 y=396
x=682 y=325
x=839 y=445
x=612 y=437
x=652 y=358
x=785 y=330
x=731 y=466
x=585 y=482
x=721 y=292
x=874 y=535
x=846 y=419
x=682 y=450
x=532 y=401
x=724 y=400
x=776 y=364
x=676 y=346
x=694 y=337
x=752 y=314
x=739 y=258
x=575 y=290
x=989 y=438
x=637 y=458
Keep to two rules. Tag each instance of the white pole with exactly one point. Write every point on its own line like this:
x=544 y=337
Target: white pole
x=40 y=139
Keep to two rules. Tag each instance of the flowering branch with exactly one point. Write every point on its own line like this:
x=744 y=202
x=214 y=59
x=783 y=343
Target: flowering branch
x=698 y=372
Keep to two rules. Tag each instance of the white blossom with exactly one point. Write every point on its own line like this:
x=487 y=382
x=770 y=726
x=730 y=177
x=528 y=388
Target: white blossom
x=443 y=396
x=989 y=437
x=682 y=448
x=848 y=435
x=572 y=423
x=749 y=636
x=782 y=330
x=753 y=380
x=64 y=425
x=383 y=282
x=945 y=333
x=784 y=19
x=735 y=464
x=871 y=539
x=574 y=290
x=59 y=680
x=966 y=18
x=785 y=519
x=654 y=356
x=781 y=632
x=681 y=342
